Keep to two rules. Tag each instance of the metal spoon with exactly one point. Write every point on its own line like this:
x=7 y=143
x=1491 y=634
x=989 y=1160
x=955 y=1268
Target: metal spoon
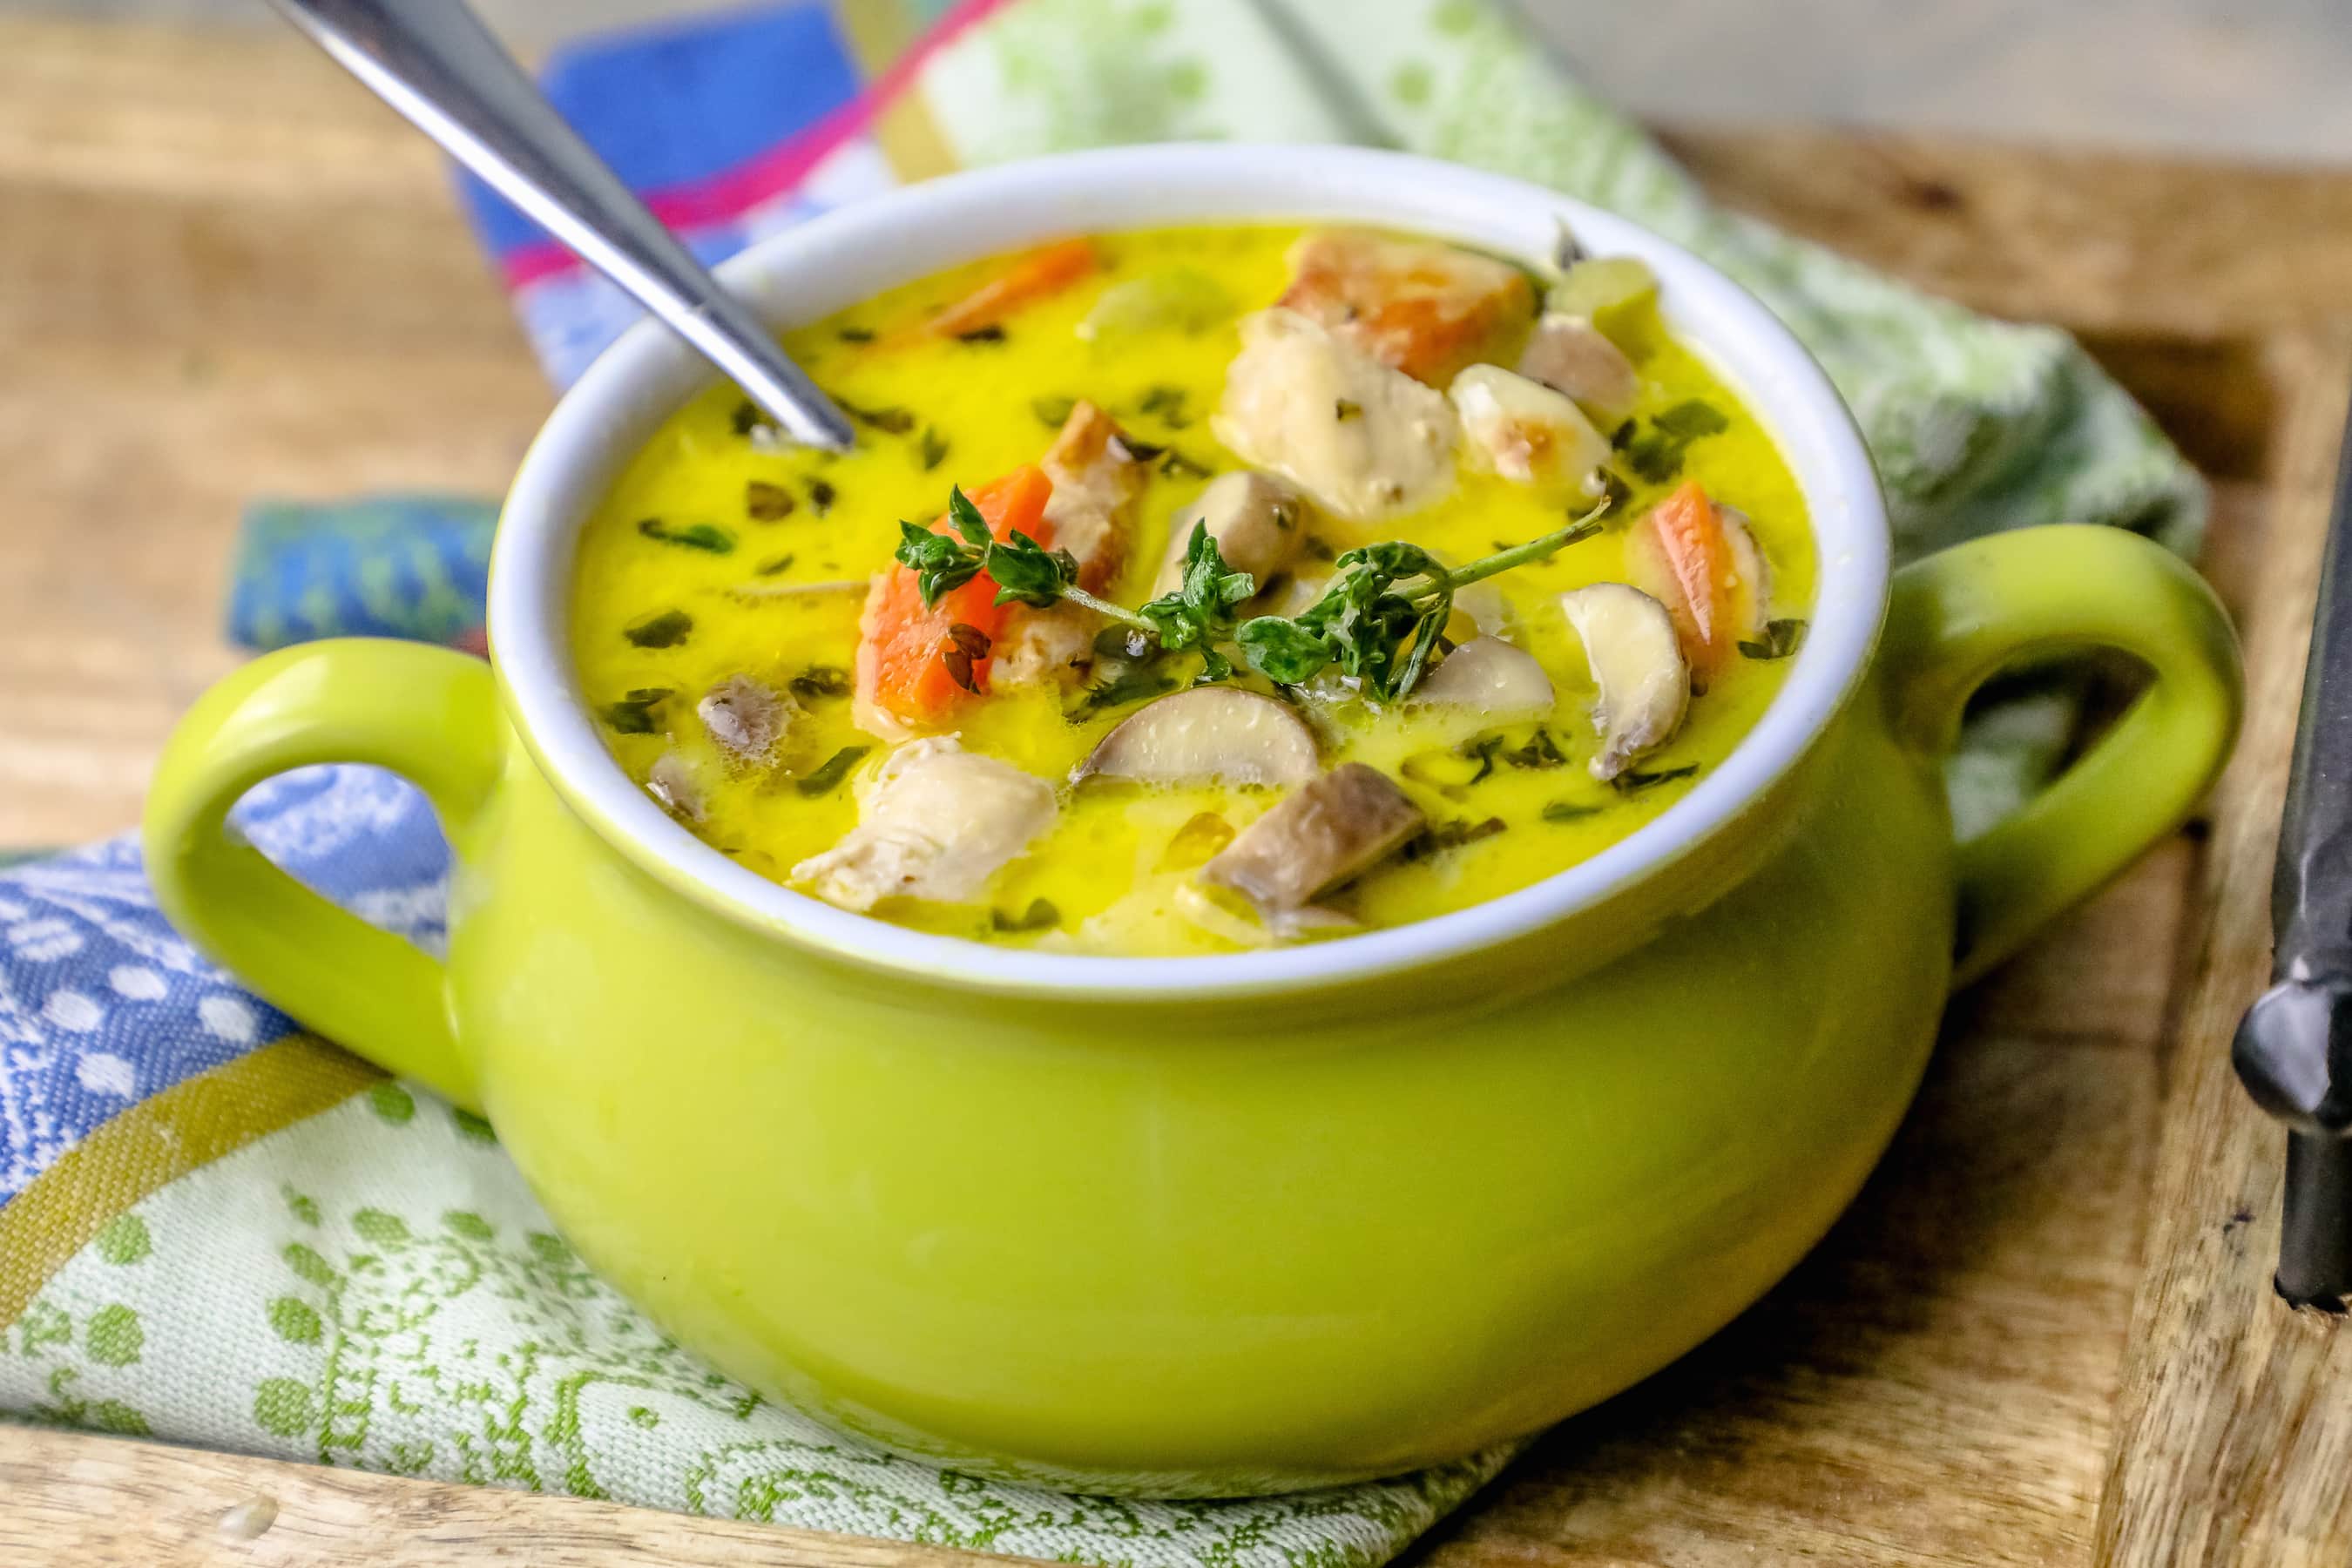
x=435 y=62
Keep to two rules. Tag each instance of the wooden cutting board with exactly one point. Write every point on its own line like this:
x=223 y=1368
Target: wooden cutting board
x=2044 y=1334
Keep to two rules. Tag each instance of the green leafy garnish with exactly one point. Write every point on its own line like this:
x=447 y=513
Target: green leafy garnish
x=1569 y=811
x=933 y=448
x=1041 y=915
x=695 y=536
x=634 y=714
x=831 y=772
x=1381 y=617
x=1379 y=620
x=1780 y=638
x=1633 y=781
x=665 y=628
x=1131 y=685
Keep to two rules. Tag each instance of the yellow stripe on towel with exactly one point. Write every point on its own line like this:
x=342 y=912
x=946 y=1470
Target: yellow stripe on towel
x=157 y=1142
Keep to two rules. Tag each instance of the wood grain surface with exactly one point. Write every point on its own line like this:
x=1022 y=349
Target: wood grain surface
x=224 y=273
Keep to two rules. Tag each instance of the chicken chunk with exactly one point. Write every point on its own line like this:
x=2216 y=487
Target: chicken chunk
x=1525 y=431
x=1363 y=440
x=1097 y=484
x=1258 y=521
x=1424 y=309
x=934 y=822
x=1576 y=359
x=1326 y=833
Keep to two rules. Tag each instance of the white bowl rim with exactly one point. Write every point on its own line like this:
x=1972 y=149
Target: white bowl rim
x=858 y=250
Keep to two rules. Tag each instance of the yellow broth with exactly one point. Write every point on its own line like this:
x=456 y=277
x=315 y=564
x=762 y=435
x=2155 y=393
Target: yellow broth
x=1111 y=866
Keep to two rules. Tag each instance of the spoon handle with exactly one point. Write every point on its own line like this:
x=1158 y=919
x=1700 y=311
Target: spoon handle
x=435 y=62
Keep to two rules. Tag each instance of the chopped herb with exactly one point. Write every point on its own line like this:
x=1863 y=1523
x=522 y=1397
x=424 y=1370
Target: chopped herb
x=1481 y=750
x=1539 y=753
x=1177 y=466
x=746 y=418
x=696 y=536
x=1053 y=411
x=1613 y=488
x=889 y=421
x=820 y=682
x=1041 y=915
x=1623 y=437
x=1165 y=404
x=831 y=772
x=855 y=334
x=1347 y=408
x=1692 y=419
x=991 y=334
x=822 y=495
x=1633 y=781
x=1131 y=685
x=634 y=714
x=1452 y=834
x=1658 y=456
x=1128 y=449
x=767 y=502
x=666 y=629
x=933 y=448
x=1316 y=548
x=1569 y=811
x=770 y=567
x=1780 y=638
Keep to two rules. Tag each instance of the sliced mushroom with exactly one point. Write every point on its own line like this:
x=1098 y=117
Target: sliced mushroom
x=671 y=782
x=1576 y=359
x=1488 y=674
x=935 y=821
x=1424 y=307
x=746 y=718
x=1258 y=521
x=1524 y=430
x=1636 y=662
x=1208 y=732
x=1365 y=441
x=1326 y=833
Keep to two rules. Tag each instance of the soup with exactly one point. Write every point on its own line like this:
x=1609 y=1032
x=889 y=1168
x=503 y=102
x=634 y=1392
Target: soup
x=1262 y=585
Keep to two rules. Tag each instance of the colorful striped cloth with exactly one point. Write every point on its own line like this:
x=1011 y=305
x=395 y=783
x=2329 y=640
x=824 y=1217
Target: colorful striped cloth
x=217 y=1230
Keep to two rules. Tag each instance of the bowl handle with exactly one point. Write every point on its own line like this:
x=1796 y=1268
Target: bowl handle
x=427 y=713
x=1959 y=616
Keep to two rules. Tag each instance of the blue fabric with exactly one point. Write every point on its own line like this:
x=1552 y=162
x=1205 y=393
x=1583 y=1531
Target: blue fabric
x=390 y=565
x=102 y=1003
x=680 y=102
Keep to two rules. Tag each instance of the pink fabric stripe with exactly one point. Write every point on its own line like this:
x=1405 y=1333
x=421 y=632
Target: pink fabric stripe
x=727 y=195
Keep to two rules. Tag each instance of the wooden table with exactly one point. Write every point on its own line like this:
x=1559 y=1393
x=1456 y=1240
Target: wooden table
x=2043 y=1335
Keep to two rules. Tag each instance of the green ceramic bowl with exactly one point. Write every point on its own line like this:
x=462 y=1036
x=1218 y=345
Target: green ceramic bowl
x=1218 y=1224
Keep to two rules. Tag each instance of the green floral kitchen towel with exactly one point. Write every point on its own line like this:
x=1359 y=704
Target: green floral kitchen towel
x=215 y=1230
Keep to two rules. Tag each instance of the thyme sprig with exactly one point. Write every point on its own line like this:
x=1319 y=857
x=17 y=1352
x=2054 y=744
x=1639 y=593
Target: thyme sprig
x=1379 y=620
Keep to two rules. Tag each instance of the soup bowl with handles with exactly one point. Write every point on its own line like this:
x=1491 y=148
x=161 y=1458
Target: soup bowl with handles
x=1211 y=1225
